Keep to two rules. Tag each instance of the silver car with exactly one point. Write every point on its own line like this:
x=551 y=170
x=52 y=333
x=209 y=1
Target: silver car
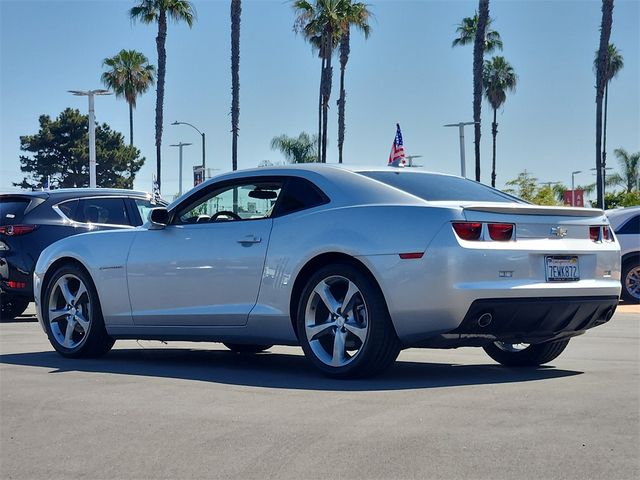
x=625 y=222
x=353 y=265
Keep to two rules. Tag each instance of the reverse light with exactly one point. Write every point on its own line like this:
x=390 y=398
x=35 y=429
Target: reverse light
x=501 y=232
x=14 y=230
x=468 y=230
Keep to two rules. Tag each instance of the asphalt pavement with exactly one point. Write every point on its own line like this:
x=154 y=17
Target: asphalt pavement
x=150 y=410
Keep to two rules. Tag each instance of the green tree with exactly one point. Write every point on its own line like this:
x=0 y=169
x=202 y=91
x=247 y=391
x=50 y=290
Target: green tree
x=601 y=82
x=300 y=149
x=477 y=29
x=236 y=11
x=621 y=199
x=523 y=186
x=614 y=63
x=129 y=74
x=498 y=78
x=630 y=165
x=322 y=23
x=545 y=195
x=60 y=151
x=157 y=11
x=358 y=17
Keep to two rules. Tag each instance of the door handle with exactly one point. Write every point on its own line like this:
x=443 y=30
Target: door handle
x=250 y=239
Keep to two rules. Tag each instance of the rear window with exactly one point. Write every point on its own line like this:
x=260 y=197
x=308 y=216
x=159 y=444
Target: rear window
x=440 y=187
x=631 y=227
x=12 y=210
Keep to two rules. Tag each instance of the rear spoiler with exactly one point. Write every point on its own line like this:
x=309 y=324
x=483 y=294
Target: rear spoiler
x=523 y=209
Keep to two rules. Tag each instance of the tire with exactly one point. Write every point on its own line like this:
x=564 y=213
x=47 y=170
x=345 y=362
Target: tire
x=359 y=342
x=12 y=306
x=240 y=348
x=72 y=315
x=631 y=281
x=511 y=355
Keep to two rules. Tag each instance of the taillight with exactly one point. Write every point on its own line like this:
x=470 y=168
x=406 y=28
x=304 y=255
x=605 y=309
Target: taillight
x=12 y=230
x=594 y=233
x=468 y=230
x=501 y=232
x=606 y=234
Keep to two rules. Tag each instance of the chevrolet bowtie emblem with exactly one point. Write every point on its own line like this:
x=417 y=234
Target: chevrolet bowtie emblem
x=559 y=232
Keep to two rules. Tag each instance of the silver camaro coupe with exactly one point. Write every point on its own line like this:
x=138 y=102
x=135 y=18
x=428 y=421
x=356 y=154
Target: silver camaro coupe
x=352 y=264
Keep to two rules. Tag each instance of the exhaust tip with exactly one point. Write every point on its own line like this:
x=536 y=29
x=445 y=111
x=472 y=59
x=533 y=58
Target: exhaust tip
x=485 y=319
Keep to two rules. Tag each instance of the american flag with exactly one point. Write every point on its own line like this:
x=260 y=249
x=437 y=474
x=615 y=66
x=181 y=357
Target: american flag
x=396 y=157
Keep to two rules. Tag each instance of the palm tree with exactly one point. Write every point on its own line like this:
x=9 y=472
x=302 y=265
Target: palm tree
x=297 y=150
x=236 y=10
x=477 y=29
x=129 y=75
x=601 y=81
x=322 y=24
x=614 y=63
x=358 y=17
x=498 y=78
x=157 y=11
x=630 y=163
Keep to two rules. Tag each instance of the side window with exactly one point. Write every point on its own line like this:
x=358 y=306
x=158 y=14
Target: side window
x=144 y=207
x=299 y=194
x=109 y=211
x=69 y=209
x=245 y=201
x=631 y=227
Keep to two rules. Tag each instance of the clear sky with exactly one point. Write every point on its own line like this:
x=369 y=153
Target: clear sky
x=406 y=72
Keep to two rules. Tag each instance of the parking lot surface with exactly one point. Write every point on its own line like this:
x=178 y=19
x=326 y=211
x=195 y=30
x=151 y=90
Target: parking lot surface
x=182 y=410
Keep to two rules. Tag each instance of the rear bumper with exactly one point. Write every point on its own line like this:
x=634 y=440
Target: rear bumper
x=531 y=320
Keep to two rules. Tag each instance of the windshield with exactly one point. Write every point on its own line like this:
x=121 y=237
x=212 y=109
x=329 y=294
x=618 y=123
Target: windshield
x=435 y=187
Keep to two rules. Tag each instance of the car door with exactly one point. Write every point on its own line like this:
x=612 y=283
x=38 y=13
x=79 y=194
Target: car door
x=205 y=267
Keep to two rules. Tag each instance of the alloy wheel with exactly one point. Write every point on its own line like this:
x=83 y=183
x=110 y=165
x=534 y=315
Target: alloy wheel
x=69 y=311
x=336 y=321
x=632 y=282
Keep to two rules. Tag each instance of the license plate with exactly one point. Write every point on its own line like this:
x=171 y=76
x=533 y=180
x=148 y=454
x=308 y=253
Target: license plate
x=562 y=269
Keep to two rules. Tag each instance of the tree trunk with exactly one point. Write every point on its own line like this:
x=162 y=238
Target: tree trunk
x=326 y=92
x=494 y=132
x=344 y=58
x=601 y=80
x=236 y=10
x=162 y=62
x=130 y=124
x=478 y=58
x=320 y=104
x=604 y=138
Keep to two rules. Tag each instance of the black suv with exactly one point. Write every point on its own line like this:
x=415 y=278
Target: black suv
x=31 y=221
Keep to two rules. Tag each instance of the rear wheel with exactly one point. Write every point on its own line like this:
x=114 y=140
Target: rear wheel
x=343 y=323
x=72 y=315
x=523 y=354
x=631 y=281
x=240 y=348
x=12 y=306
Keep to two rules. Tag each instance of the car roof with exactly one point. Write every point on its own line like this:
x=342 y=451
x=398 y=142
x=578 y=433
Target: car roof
x=67 y=193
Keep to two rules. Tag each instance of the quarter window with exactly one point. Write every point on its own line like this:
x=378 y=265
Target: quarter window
x=299 y=194
x=631 y=227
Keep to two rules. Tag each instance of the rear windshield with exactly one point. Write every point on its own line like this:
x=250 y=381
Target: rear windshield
x=12 y=210
x=440 y=187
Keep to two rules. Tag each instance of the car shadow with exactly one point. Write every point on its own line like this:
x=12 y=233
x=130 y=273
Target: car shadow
x=277 y=370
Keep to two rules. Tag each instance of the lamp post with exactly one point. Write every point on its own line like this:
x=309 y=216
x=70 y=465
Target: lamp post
x=573 y=187
x=92 y=130
x=203 y=138
x=463 y=168
x=180 y=146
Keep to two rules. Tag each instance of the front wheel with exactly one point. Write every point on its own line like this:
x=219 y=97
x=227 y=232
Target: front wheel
x=631 y=281
x=525 y=355
x=343 y=323
x=72 y=314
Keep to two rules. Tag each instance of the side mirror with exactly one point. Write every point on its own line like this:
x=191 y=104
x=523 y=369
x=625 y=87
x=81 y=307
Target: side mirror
x=159 y=218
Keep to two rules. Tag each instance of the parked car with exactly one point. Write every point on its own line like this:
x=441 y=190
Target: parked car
x=351 y=264
x=31 y=221
x=626 y=225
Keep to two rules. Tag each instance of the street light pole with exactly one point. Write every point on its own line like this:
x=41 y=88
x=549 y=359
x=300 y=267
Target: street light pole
x=203 y=144
x=92 y=130
x=573 y=187
x=463 y=166
x=180 y=146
